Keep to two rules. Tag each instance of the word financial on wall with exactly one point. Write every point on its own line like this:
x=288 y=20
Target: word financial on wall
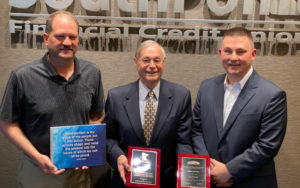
x=178 y=25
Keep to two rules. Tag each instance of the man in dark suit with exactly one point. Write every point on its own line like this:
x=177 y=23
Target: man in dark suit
x=125 y=119
x=239 y=118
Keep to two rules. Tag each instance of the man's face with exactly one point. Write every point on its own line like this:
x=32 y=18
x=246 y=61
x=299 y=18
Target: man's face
x=237 y=54
x=150 y=65
x=62 y=41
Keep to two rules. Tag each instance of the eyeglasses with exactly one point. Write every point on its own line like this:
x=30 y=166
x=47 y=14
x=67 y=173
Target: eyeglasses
x=147 y=61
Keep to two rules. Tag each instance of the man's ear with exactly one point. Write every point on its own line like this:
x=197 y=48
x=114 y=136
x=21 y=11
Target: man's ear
x=220 y=51
x=135 y=61
x=46 y=38
x=254 y=53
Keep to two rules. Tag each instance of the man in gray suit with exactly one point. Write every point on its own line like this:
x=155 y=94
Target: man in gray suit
x=125 y=119
x=239 y=118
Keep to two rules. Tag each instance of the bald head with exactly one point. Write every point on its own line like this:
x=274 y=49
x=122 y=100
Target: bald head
x=50 y=19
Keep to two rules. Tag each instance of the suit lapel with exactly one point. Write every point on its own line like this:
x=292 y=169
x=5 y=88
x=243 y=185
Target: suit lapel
x=219 y=96
x=245 y=96
x=131 y=105
x=164 y=107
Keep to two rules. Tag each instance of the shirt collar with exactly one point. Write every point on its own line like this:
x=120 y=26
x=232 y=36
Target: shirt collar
x=243 y=80
x=144 y=90
x=53 y=73
x=48 y=66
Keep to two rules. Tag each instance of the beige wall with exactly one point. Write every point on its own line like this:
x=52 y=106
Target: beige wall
x=189 y=70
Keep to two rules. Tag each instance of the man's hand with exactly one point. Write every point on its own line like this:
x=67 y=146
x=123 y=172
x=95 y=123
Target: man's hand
x=47 y=166
x=220 y=174
x=17 y=137
x=123 y=166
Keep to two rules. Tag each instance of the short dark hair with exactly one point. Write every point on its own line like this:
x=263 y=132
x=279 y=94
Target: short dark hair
x=51 y=17
x=239 y=31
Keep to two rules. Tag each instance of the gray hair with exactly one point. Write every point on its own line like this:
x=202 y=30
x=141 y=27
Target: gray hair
x=146 y=44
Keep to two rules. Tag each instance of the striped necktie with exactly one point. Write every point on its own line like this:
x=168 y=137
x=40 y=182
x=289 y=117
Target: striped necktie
x=149 y=117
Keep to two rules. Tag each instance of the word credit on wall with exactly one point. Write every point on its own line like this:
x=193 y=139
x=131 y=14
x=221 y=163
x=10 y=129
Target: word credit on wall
x=181 y=26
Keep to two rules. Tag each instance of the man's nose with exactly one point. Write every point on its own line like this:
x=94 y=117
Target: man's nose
x=152 y=64
x=67 y=41
x=234 y=56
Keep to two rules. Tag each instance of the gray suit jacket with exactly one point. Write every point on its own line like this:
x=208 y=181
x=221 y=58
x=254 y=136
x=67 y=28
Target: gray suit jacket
x=252 y=135
x=172 y=131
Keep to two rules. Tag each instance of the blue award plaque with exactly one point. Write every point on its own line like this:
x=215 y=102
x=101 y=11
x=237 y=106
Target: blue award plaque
x=78 y=145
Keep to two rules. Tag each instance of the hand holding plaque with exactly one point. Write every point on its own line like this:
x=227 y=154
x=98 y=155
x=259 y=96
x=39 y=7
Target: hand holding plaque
x=78 y=145
x=193 y=171
x=145 y=167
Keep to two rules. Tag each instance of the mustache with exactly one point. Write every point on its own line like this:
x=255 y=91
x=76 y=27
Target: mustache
x=66 y=48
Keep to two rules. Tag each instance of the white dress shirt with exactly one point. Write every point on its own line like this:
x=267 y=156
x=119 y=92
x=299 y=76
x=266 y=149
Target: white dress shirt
x=143 y=98
x=232 y=93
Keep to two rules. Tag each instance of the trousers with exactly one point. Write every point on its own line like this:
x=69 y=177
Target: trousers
x=31 y=176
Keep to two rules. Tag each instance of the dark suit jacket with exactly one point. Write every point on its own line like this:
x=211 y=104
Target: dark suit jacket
x=252 y=135
x=172 y=131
